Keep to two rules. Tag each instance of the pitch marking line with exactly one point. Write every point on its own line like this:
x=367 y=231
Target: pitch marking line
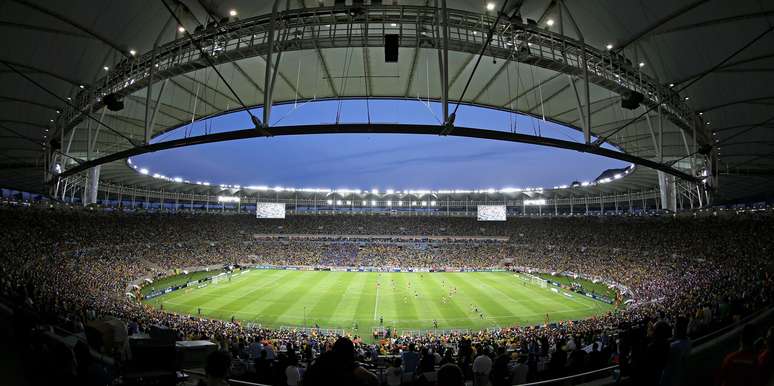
x=376 y=304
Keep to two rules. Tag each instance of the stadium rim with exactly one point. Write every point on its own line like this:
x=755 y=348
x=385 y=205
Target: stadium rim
x=359 y=128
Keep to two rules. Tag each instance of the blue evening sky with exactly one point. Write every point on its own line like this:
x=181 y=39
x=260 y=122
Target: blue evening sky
x=377 y=161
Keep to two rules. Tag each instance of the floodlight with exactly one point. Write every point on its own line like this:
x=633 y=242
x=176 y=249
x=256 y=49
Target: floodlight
x=609 y=46
x=642 y=64
x=180 y=29
x=490 y=6
x=550 y=22
x=132 y=52
x=232 y=12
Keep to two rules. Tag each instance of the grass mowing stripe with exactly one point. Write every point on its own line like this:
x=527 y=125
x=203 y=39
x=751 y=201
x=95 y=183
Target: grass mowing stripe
x=523 y=296
x=328 y=302
x=409 y=311
x=365 y=302
x=483 y=300
x=538 y=302
x=271 y=313
x=450 y=311
x=218 y=294
x=243 y=302
x=336 y=299
x=376 y=301
x=197 y=297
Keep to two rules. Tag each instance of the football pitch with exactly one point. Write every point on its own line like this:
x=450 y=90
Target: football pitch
x=403 y=300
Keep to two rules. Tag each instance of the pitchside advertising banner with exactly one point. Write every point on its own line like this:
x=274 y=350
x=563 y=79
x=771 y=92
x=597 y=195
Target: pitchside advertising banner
x=491 y=213
x=269 y=210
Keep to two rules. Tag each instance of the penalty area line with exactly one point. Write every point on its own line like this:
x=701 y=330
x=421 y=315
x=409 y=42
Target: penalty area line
x=376 y=304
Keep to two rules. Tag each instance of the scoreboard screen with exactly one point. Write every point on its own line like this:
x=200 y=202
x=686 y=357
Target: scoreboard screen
x=491 y=213
x=269 y=210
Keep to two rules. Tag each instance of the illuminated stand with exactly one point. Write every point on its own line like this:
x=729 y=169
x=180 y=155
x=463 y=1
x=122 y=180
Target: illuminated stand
x=230 y=199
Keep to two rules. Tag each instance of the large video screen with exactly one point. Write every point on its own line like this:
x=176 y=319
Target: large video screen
x=491 y=213
x=269 y=210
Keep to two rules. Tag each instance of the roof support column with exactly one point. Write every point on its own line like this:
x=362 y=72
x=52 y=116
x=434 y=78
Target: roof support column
x=92 y=186
x=587 y=126
x=581 y=115
x=93 y=142
x=154 y=114
x=666 y=183
x=447 y=120
x=268 y=80
x=149 y=91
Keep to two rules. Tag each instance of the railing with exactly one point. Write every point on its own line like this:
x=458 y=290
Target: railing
x=330 y=27
x=573 y=379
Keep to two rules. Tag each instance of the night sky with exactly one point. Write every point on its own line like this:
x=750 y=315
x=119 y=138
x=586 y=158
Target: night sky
x=380 y=161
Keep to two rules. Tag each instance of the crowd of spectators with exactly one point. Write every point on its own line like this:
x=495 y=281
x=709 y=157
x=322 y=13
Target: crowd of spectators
x=686 y=276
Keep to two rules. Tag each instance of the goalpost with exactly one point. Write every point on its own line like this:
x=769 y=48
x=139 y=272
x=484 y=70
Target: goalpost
x=218 y=278
x=542 y=283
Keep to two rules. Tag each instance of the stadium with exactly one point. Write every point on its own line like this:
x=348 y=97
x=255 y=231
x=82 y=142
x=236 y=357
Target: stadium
x=386 y=192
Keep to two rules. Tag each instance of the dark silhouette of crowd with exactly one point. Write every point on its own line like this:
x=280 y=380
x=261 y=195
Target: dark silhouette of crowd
x=684 y=277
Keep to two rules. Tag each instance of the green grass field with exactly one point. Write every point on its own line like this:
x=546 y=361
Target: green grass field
x=178 y=280
x=277 y=298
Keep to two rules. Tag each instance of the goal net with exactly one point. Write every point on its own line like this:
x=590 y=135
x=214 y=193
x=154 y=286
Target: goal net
x=218 y=278
x=542 y=283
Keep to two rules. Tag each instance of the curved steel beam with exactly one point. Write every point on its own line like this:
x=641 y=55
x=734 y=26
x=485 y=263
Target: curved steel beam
x=362 y=128
x=33 y=69
x=29 y=102
x=737 y=102
x=315 y=29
